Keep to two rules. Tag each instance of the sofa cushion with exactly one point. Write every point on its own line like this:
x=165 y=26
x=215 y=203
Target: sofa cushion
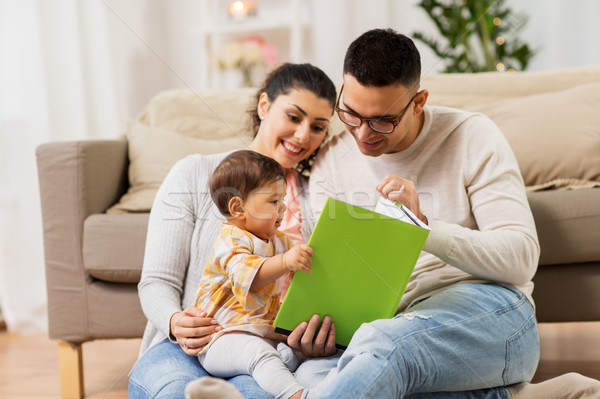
x=177 y=123
x=113 y=246
x=467 y=90
x=218 y=119
x=152 y=153
x=567 y=224
x=553 y=135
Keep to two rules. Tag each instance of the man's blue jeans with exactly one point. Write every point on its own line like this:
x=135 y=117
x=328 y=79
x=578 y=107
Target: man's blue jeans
x=463 y=338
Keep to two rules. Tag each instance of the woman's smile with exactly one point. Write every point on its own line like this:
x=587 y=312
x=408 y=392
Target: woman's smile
x=291 y=148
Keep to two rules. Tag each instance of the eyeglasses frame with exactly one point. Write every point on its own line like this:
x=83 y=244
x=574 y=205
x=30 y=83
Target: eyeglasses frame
x=369 y=120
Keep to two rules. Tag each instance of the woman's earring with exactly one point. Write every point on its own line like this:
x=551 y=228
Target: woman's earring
x=261 y=117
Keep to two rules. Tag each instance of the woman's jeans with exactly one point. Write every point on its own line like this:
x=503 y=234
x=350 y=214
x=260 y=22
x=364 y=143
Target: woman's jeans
x=467 y=337
x=463 y=338
x=164 y=371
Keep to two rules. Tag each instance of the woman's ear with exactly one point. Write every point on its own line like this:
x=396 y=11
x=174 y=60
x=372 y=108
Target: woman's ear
x=236 y=208
x=263 y=105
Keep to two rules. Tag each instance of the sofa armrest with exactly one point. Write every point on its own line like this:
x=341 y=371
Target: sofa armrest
x=76 y=179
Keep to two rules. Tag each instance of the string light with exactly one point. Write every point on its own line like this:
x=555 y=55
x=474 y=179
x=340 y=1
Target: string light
x=500 y=67
x=497 y=21
x=500 y=40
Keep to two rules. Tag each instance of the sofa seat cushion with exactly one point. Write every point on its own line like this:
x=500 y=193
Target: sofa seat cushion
x=568 y=225
x=113 y=246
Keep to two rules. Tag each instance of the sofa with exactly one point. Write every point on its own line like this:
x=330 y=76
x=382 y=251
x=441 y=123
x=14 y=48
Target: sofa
x=96 y=195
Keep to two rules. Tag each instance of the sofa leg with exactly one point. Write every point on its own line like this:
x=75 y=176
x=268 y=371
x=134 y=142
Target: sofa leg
x=71 y=370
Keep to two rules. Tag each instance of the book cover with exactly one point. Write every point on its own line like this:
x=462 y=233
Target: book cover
x=362 y=263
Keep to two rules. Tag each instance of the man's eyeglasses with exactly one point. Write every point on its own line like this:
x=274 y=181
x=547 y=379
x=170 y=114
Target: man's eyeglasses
x=377 y=124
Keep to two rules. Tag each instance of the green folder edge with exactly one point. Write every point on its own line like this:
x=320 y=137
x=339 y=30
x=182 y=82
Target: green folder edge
x=356 y=278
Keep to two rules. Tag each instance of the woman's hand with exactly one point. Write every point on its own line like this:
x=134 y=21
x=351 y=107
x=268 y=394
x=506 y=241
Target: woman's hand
x=303 y=338
x=402 y=190
x=192 y=329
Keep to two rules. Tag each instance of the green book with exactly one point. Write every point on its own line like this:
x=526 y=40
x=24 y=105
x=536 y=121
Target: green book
x=362 y=263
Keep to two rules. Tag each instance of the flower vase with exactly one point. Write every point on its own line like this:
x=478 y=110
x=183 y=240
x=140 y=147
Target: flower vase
x=231 y=79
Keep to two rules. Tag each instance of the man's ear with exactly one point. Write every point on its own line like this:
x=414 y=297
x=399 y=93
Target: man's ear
x=420 y=100
x=236 y=207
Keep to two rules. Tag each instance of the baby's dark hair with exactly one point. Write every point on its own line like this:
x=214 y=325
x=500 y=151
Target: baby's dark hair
x=239 y=174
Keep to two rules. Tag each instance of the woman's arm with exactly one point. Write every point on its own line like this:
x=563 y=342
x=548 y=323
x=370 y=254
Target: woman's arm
x=168 y=251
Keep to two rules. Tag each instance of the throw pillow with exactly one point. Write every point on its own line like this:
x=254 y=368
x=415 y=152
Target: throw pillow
x=553 y=135
x=177 y=123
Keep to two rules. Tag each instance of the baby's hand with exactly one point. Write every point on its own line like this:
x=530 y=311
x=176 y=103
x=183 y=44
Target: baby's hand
x=298 y=258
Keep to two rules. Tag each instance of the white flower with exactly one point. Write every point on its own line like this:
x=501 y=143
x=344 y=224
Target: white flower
x=245 y=54
x=230 y=55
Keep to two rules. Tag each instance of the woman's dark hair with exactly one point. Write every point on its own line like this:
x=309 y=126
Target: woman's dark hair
x=286 y=78
x=239 y=173
x=383 y=57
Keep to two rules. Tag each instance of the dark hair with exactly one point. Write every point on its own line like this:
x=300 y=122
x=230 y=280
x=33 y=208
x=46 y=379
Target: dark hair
x=286 y=78
x=239 y=173
x=383 y=57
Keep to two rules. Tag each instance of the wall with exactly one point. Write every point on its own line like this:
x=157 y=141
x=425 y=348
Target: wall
x=83 y=69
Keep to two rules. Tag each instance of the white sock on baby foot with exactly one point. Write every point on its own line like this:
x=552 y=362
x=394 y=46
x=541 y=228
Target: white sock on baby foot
x=211 y=388
x=566 y=386
x=289 y=357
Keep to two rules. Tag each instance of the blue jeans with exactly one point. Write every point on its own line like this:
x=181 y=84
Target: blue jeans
x=468 y=337
x=164 y=371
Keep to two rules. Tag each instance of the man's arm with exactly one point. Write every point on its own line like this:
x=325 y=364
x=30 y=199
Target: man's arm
x=503 y=246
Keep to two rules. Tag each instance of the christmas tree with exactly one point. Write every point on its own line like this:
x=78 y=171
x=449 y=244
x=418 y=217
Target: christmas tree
x=479 y=35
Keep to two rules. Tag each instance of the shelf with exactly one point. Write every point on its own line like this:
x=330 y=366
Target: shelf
x=274 y=17
x=250 y=25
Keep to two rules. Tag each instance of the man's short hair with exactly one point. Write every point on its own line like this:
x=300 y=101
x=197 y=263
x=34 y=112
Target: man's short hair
x=383 y=57
x=240 y=173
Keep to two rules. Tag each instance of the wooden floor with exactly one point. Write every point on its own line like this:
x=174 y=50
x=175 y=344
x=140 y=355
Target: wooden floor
x=28 y=364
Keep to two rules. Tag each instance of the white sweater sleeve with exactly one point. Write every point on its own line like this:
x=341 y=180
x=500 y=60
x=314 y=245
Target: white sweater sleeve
x=504 y=246
x=181 y=209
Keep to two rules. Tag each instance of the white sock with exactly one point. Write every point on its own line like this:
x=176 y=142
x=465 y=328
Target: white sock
x=289 y=356
x=211 y=388
x=566 y=386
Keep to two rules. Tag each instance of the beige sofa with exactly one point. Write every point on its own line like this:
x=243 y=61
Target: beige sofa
x=96 y=195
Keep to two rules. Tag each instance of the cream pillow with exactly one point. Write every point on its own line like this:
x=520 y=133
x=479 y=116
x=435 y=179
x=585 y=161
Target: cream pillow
x=553 y=135
x=465 y=90
x=177 y=123
x=152 y=153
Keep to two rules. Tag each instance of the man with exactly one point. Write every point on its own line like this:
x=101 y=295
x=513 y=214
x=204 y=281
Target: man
x=466 y=326
x=467 y=320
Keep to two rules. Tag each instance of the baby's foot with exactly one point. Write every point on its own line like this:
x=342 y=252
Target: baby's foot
x=211 y=388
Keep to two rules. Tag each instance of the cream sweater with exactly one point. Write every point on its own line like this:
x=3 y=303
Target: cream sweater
x=184 y=224
x=470 y=189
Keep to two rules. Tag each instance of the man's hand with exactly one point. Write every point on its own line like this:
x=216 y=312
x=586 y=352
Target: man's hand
x=192 y=329
x=298 y=258
x=396 y=188
x=303 y=338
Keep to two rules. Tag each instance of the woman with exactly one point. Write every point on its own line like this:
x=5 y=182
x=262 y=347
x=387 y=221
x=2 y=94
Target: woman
x=290 y=120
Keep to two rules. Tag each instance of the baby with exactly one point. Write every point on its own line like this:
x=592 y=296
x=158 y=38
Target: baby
x=240 y=285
